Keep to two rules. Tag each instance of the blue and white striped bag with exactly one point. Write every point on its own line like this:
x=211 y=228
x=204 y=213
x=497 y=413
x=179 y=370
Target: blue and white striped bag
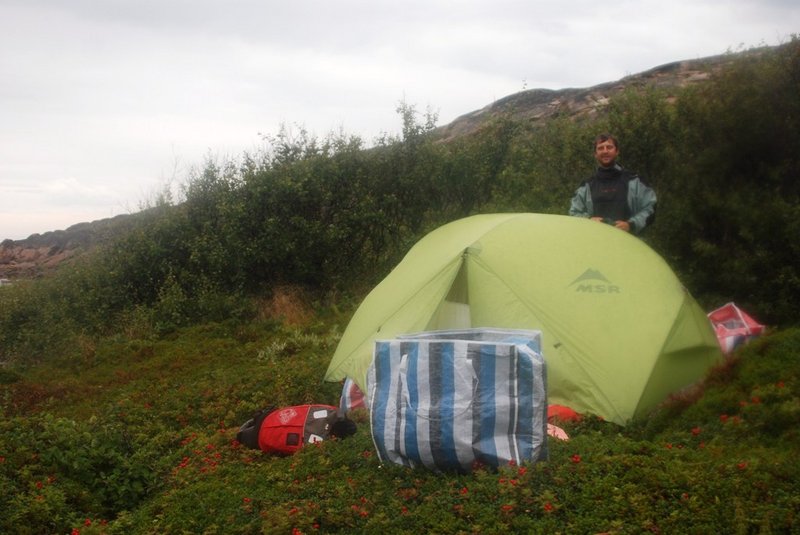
x=449 y=400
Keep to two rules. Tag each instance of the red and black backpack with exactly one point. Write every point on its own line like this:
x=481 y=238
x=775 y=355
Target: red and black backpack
x=286 y=430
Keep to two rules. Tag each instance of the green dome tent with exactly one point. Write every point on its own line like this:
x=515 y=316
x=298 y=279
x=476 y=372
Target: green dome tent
x=619 y=331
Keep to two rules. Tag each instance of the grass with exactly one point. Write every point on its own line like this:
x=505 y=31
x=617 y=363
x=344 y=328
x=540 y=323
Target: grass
x=137 y=436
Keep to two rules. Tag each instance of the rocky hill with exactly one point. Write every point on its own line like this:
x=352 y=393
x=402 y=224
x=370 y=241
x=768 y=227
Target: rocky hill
x=538 y=105
x=35 y=255
x=40 y=252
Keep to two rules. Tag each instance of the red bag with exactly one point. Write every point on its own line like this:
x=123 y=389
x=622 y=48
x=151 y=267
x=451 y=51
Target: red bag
x=733 y=326
x=286 y=430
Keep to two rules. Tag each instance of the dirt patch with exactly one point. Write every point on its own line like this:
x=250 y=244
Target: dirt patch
x=289 y=304
x=27 y=398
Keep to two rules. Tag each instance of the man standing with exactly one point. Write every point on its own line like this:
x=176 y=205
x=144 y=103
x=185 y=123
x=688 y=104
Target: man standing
x=612 y=194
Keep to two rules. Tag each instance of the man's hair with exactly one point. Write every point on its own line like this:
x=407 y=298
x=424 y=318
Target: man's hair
x=605 y=137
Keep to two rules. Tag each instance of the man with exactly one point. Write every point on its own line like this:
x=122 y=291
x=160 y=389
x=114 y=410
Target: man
x=612 y=194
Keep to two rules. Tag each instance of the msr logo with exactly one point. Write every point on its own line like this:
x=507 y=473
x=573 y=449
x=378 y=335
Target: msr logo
x=594 y=282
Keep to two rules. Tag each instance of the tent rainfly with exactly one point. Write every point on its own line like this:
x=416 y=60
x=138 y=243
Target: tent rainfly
x=619 y=330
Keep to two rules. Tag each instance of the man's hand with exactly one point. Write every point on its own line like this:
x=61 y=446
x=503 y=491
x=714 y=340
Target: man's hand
x=623 y=225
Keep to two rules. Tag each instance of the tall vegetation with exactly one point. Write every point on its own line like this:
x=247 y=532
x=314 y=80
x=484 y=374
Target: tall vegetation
x=741 y=174
x=334 y=214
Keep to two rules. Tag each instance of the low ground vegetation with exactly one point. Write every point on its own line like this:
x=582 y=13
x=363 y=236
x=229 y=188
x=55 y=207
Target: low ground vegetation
x=142 y=440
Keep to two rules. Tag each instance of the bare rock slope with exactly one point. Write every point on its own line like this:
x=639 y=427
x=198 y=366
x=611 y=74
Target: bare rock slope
x=538 y=105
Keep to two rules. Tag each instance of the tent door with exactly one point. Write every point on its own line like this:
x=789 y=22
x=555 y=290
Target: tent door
x=453 y=312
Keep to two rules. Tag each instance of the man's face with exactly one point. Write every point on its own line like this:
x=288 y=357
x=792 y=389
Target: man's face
x=605 y=152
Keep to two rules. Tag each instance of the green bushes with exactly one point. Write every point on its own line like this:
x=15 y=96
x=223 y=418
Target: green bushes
x=67 y=469
x=733 y=194
x=543 y=168
x=45 y=317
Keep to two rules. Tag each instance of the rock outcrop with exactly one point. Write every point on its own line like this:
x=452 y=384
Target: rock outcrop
x=19 y=260
x=39 y=253
x=538 y=105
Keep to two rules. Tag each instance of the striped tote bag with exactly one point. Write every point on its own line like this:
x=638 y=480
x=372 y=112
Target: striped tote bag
x=451 y=400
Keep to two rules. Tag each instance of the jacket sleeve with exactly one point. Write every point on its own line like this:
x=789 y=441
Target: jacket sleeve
x=581 y=204
x=642 y=201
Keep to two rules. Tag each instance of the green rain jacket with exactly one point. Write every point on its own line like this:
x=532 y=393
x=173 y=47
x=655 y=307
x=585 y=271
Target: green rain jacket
x=641 y=202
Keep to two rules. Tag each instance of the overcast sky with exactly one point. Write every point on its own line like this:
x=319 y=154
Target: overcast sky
x=104 y=102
